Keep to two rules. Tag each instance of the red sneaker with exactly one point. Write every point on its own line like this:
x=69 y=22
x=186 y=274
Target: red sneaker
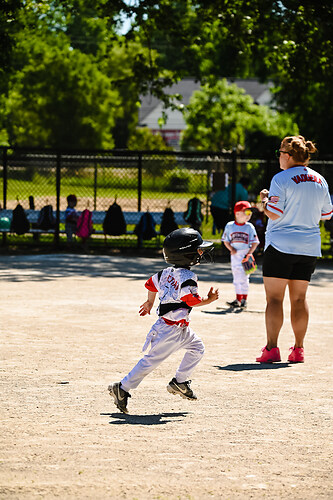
x=296 y=355
x=271 y=356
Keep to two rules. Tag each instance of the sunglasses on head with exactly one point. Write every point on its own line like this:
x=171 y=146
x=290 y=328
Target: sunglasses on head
x=247 y=211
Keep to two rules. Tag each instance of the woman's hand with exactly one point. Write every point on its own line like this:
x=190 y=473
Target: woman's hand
x=264 y=195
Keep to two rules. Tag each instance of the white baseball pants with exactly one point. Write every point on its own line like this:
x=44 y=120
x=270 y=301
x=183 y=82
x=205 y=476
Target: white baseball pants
x=240 y=278
x=165 y=340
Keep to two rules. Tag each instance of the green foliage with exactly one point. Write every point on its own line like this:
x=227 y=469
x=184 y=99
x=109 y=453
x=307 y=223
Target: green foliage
x=144 y=139
x=75 y=81
x=59 y=98
x=220 y=116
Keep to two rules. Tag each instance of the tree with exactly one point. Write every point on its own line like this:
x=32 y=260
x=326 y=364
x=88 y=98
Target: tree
x=221 y=116
x=59 y=98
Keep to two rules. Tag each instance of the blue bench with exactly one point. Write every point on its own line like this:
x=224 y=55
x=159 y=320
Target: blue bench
x=131 y=218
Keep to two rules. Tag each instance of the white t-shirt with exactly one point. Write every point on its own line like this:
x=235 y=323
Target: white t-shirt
x=300 y=197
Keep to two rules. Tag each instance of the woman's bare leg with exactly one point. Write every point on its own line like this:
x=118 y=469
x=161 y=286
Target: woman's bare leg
x=299 y=313
x=275 y=290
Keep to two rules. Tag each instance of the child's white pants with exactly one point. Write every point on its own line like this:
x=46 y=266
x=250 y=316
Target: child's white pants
x=165 y=340
x=240 y=278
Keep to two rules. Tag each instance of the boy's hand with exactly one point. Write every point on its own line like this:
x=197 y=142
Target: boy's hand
x=213 y=294
x=233 y=251
x=145 y=308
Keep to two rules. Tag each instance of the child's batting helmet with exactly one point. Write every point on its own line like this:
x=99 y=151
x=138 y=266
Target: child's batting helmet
x=180 y=247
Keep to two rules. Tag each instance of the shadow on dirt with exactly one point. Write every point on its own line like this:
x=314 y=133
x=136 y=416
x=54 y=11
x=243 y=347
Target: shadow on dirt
x=240 y=367
x=158 y=419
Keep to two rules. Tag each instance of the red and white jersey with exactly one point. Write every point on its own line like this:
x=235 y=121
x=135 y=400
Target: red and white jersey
x=240 y=236
x=177 y=288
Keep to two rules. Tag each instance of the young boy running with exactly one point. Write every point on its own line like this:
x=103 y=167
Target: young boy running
x=177 y=289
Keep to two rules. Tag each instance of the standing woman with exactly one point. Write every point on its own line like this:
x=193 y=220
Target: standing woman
x=297 y=200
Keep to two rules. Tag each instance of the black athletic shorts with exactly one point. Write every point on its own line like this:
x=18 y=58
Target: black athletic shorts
x=287 y=266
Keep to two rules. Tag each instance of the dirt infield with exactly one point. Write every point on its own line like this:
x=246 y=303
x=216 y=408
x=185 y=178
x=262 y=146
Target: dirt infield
x=70 y=326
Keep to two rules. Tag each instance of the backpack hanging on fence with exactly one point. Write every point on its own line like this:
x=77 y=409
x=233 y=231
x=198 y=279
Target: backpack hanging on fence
x=145 y=229
x=193 y=215
x=84 y=227
x=20 y=223
x=114 y=222
x=46 y=219
x=168 y=223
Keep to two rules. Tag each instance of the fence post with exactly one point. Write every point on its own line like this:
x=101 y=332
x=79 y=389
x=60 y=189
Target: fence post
x=139 y=181
x=208 y=190
x=4 y=158
x=4 y=178
x=95 y=185
x=234 y=179
x=58 y=177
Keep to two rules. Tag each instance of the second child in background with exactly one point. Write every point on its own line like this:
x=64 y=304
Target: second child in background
x=71 y=217
x=241 y=239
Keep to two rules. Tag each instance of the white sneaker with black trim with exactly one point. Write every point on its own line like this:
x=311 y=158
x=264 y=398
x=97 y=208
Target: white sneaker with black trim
x=183 y=389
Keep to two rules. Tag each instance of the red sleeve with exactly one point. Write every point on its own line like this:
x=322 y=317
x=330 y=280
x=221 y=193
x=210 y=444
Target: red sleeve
x=150 y=285
x=191 y=300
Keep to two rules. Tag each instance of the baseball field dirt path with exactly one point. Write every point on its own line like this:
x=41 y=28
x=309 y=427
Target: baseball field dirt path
x=70 y=326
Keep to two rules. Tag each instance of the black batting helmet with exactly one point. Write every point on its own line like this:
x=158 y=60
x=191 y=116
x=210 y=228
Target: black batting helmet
x=180 y=247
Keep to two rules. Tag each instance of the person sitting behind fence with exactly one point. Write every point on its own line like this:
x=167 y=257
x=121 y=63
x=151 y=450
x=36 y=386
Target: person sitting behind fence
x=71 y=217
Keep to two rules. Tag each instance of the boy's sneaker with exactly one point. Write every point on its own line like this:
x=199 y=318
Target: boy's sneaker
x=183 y=389
x=243 y=304
x=296 y=355
x=271 y=356
x=120 y=396
x=234 y=303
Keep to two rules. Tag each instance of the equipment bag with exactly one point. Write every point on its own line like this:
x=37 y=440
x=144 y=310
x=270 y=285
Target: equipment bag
x=46 y=219
x=168 y=223
x=114 y=222
x=20 y=223
x=84 y=227
x=145 y=229
x=193 y=213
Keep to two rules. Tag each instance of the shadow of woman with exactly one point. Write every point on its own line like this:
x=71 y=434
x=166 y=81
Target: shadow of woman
x=240 y=367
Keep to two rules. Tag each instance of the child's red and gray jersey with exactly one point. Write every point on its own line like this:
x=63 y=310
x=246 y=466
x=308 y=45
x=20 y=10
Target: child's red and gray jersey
x=240 y=236
x=178 y=293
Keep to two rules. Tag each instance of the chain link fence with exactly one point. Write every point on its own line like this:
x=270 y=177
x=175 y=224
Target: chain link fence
x=137 y=180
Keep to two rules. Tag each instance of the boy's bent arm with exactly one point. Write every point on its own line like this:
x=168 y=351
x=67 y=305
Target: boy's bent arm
x=252 y=248
x=146 y=307
x=211 y=297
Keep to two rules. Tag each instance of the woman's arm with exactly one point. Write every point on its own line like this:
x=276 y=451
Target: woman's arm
x=264 y=201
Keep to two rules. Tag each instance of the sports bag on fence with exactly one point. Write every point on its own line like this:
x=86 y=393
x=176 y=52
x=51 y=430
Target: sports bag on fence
x=46 y=219
x=145 y=229
x=193 y=213
x=84 y=227
x=20 y=223
x=168 y=223
x=114 y=222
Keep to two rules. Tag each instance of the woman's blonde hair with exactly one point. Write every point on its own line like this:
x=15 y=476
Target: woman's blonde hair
x=299 y=148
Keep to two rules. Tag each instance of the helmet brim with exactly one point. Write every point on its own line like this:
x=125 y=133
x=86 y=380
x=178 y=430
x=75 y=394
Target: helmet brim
x=206 y=244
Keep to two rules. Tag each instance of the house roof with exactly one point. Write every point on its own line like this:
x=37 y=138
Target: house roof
x=152 y=108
